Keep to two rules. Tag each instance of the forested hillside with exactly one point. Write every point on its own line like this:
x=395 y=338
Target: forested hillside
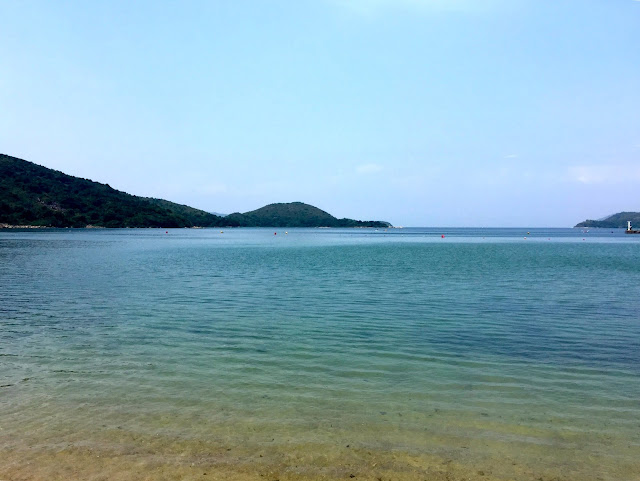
x=34 y=195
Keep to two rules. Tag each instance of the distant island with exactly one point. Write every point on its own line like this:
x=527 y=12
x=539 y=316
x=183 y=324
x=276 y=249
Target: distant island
x=615 y=221
x=35 y=196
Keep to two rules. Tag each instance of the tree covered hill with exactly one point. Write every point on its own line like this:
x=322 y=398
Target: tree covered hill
x=614 y=221
x=34 y=195
x=296 y=214
x=37 y=196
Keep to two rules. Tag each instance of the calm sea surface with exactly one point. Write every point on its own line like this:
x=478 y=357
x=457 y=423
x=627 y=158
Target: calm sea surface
x=320 y=354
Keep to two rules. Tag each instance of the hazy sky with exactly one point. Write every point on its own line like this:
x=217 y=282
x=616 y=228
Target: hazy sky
x=419 y=112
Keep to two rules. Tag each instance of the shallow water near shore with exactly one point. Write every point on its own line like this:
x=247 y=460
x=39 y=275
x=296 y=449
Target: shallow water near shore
x=320 y=354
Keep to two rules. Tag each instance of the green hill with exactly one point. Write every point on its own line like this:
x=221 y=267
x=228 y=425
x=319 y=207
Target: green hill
x=296 y=214
x=34 y=195
x=37 y=196
x=614 y=221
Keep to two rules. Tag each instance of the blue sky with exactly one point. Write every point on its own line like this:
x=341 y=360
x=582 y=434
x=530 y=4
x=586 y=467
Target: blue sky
x=419 y=112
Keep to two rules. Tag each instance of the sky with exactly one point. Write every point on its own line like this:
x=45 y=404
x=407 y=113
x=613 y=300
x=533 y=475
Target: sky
x=417 y=112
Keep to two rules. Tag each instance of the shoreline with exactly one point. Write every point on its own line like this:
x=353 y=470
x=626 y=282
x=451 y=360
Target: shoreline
x=11 y=226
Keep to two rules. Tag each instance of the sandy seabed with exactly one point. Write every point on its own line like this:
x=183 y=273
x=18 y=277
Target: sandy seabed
x=74 y=463
x=122 y=455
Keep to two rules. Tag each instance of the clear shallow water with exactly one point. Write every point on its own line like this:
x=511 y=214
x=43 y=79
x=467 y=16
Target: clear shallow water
x=320 y=353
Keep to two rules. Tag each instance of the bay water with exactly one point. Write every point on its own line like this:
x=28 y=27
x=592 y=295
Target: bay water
x=444 y=354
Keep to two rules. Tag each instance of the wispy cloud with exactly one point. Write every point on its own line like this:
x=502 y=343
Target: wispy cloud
x=368 y=169
x=511 y=156
x=604 y=174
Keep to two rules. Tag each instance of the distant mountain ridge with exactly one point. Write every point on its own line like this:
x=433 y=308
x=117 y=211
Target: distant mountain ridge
x=614 y=221
x=32 y=195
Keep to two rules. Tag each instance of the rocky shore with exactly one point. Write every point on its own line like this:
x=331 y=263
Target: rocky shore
x=9 y=226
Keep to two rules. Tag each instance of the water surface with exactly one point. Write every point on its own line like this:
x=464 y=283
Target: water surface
x=320 y=354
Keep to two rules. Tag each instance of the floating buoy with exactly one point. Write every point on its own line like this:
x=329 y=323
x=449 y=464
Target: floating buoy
x=525 y=237
x=286 y=233
x=275 y=233
x=442 y=236
x=166 y=232
x=221 y=232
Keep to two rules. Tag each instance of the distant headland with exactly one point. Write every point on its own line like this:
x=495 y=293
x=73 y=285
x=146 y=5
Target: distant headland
x=35 y=196
x=615 y=221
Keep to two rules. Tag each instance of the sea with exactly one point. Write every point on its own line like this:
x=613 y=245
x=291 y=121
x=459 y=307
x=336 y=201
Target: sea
x=320 y=354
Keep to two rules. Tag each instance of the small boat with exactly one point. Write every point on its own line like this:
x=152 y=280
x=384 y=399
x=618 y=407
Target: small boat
x=630 y=230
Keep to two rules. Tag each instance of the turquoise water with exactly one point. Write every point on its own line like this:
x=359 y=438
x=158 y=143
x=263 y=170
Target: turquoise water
x=320 y=353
